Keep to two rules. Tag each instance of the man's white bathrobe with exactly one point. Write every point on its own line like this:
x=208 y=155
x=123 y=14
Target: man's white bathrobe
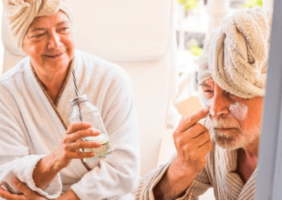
x=31 y=126
x=219 y=173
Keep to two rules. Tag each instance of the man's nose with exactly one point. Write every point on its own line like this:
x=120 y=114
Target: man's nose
x=220 y=103
x=54 y=40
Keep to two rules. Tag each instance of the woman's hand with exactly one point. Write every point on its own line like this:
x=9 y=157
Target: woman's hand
x=28 y=194
x=71 y=144
x=49 y=166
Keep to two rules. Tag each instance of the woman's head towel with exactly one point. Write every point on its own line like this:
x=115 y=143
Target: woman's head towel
x=21 y=13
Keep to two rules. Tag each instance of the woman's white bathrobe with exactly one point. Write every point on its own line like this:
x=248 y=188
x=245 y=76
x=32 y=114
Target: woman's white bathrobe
x=30 y=127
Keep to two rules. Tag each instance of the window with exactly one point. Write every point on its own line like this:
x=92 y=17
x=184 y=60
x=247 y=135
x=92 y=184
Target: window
x=269 y=182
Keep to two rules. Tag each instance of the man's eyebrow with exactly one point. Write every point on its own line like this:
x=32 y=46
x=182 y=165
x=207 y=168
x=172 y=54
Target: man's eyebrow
x=205 y=85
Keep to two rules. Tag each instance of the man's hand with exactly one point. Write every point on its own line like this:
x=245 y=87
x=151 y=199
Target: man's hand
x=48 y=167
x=28 y=194
x=192 y=142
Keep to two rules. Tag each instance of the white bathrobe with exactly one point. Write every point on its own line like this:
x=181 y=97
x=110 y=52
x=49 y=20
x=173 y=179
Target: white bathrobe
x=219 y=173
x=31 y=127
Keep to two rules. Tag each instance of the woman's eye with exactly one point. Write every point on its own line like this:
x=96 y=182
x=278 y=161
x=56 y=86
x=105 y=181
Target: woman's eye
x=38 y=36
x=65 y=29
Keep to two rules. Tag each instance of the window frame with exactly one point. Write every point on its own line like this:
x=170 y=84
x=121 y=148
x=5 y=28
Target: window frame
x=269 y=180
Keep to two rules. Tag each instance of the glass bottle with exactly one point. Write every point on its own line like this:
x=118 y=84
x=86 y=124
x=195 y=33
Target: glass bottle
x=84 y=111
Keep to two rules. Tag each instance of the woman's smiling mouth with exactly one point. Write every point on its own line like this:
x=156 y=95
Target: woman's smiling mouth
x=54 y=56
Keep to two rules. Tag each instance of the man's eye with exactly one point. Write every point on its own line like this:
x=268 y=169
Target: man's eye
x=208 y=93
x=229 y=94
x=232 y=96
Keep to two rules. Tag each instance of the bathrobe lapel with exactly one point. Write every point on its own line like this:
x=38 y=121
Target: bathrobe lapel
x=248 y=190
x=57 y=114
x=42 y=120
x=229 y=182
x=231 y=185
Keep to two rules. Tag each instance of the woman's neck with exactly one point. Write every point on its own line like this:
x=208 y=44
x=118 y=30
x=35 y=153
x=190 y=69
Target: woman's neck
x=52 y=81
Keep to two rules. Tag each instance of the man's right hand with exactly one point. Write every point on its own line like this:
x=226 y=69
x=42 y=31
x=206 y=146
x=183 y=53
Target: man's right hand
x=192 y=142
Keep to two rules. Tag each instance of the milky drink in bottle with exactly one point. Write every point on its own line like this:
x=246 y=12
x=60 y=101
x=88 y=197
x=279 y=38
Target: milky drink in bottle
x=84 y=111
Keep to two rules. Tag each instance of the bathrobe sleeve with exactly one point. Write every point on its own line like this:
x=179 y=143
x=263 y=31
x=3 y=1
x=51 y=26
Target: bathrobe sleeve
x=116 y=174
x=15 y=160
x=152 y=178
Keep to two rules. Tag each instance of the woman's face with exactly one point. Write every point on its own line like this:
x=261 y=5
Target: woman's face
x=49 y=42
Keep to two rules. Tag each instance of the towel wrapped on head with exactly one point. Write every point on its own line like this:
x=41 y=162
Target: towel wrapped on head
x=238 y=53
x=21 y=13
x=204 y=72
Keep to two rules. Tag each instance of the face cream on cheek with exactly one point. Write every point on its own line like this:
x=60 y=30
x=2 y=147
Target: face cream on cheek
x=204 y=100
x=212 y=113
x=239 y=110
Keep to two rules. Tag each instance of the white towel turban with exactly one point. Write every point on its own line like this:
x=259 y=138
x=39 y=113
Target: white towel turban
x=238 y=54
x=204 y=72
x=21 y=13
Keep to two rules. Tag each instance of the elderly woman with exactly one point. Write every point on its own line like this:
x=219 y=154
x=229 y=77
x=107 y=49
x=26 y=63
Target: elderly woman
x=38 y=145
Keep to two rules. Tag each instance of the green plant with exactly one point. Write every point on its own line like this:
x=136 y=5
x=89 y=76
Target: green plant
x=252 y=3
x=196 y=51
x=195 y=48
x=189 y=4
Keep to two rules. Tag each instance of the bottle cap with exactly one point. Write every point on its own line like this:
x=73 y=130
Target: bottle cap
x=79 y=100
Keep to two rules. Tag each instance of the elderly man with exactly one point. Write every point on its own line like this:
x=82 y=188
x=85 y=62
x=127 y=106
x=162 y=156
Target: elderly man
x=39 y=148
x=223 y=152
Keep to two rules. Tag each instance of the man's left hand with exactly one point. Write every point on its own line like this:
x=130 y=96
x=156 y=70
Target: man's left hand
x=28 y=194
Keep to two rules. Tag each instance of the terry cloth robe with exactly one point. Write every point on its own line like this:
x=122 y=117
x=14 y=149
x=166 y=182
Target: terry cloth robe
x=219 y=173
x=31 y=127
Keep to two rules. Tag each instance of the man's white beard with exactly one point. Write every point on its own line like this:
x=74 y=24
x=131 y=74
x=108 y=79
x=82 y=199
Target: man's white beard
x=234 y=138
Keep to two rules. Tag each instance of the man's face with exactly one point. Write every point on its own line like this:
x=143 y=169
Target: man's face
x=49 y=42
x=235 y=122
